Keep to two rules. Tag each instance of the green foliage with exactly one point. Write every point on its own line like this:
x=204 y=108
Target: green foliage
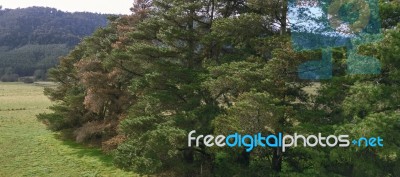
x=9 y=78
x=39 y=25
x=150 y=154
x=388 y=11
x=219 y=67
x=34 y=38
x=29 y=58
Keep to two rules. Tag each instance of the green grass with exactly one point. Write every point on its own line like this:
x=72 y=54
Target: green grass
x=27 y=148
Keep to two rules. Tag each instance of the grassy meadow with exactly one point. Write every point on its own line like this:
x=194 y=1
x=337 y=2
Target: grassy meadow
x=27 y=148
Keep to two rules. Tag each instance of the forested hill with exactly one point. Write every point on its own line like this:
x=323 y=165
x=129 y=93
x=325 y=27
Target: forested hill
x=32 y=39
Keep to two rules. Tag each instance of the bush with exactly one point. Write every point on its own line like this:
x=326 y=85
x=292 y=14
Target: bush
x=112 y=143
x=60 y=119
x=90 y=130
x=9 y=78
x=54 y=121
x=27 y=80
x=40 y=75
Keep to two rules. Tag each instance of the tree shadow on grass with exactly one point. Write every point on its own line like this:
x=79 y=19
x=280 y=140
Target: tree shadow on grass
x=84 y=150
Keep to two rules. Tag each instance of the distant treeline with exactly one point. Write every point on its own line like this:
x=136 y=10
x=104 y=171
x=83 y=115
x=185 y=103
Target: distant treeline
x=32 y=39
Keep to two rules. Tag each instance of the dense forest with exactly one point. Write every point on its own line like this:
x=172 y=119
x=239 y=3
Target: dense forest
x=137 y=87
x=32 y=39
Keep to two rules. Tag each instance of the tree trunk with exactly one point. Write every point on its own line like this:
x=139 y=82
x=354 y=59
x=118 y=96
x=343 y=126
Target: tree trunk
x=244 y=158
x=284 y=10
x=277 y=160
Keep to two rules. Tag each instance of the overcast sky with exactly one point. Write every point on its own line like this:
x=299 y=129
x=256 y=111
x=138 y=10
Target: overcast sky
x=100 y=6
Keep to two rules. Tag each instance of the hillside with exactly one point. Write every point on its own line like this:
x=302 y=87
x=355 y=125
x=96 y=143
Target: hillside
x=32 y=39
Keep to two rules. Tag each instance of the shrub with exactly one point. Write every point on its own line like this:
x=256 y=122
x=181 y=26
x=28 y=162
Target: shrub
x=27 y=80
x=60 y=119
x=9 y=78
x=90 y=130
x=112 y=143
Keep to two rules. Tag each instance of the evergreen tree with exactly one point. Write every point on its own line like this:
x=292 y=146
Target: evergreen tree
x=141 y=84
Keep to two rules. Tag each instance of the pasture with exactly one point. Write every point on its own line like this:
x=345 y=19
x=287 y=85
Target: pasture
x=27 y=148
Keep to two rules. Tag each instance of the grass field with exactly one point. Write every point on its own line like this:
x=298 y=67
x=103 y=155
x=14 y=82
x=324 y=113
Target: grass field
x=27 y=148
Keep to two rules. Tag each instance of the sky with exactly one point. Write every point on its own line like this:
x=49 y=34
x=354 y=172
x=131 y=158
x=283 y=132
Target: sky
x=99 y=6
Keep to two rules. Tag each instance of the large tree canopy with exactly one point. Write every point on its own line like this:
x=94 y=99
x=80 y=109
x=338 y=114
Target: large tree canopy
x=140 y=85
